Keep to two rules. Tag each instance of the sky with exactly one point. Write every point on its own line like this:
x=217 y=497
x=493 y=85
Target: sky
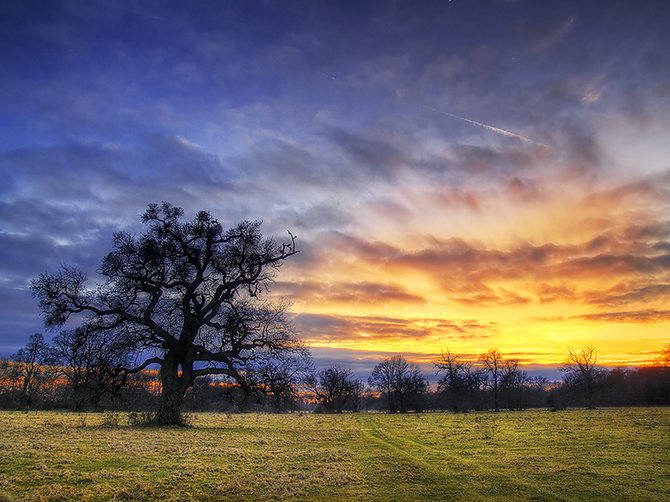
x=461 y=175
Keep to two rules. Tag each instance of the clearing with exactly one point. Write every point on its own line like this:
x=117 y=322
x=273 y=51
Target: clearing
x=607 y=454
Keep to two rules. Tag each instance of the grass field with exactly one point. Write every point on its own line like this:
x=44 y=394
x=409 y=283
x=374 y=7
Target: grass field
x=607 y=454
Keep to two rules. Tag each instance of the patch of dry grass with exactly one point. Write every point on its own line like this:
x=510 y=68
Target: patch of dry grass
x=608 y=454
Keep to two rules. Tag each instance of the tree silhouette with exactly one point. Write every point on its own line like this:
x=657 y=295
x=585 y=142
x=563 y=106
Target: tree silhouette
x=279 y=380
x=582 y=372
x=33 y=367
x=460 y=382
x=493 y=364
x=664 y=358
x=400 y=381
x=182 y=295
x=91 y=362
x=513 y=383
x=336 y=389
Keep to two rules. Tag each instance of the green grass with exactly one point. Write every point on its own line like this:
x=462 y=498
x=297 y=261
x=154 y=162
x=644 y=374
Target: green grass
x=606 y=454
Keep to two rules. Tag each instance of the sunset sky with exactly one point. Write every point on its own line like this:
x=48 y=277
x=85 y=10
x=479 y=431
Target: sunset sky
x=460 y=174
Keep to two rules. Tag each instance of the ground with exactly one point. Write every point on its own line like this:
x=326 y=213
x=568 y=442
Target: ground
x=607 y=454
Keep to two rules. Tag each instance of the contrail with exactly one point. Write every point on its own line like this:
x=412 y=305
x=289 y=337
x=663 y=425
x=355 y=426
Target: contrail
x=496 y=130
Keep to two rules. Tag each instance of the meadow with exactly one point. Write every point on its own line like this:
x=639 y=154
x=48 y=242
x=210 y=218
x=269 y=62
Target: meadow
x=606 y=454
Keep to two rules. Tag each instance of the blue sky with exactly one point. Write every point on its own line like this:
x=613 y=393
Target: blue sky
x=341 y=122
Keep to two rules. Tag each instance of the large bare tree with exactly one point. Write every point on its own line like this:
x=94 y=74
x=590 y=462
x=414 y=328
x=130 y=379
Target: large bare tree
x=183 y=295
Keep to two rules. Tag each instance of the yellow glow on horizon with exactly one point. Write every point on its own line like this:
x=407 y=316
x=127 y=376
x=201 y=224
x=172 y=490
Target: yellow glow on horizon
x=539 y=271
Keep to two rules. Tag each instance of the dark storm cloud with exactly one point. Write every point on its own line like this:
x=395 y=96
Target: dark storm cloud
x=349 y=158
x=650 y=231
x=384 y=155
x=390 y=208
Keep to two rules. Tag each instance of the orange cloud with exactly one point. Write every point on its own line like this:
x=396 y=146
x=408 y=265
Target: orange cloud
x=345 y=292
x=319 y=328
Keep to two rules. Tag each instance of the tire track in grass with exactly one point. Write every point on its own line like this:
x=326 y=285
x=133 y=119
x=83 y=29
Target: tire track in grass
x=448 y=483
x=395 y=443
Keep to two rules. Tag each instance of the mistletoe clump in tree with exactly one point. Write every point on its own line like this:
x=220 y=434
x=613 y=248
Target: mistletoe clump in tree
x=184 y=295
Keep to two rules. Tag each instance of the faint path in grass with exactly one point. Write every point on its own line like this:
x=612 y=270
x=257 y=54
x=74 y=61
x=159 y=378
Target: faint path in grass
x=610 y=454
x=472 y=475
x=444 y=485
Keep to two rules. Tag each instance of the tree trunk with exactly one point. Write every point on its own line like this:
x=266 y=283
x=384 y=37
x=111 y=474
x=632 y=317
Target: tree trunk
x=590 y=396
x=172 y=395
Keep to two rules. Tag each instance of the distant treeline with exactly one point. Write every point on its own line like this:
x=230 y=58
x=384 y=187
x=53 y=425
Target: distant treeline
x=45 y=376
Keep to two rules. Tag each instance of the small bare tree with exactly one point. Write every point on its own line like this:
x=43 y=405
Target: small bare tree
x=582 y=372
x=279 y=379
x=400 y=381
x=460 y=382
x=514 y=385
x=92 y=361
x=9 y=382
x=336 y=389
x=494 y=365
x=664 y=358
x=34 y=368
